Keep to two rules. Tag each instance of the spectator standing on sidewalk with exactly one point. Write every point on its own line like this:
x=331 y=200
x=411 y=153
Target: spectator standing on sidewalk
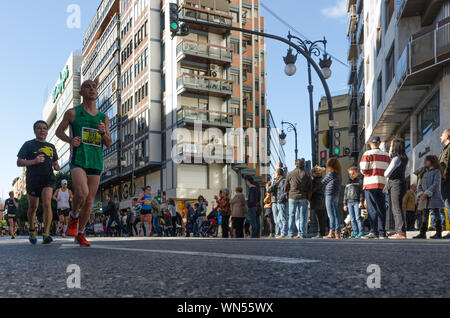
x=173 y=215
x=268 y=214
x=157 y=214
x=429 y=194
x=373 y=164
x=238 y=211
x=111 y=210
x=191 y=225
x=332 y=182
x=279 y=204
x=253 y=202
x=396 y=185
x=409 y=205
x=354 y=202
x=225 y=211
x=444 y=160
x=317 y=203
x=298 y=188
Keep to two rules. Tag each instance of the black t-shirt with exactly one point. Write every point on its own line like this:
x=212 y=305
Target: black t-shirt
x=33 y=148
x=9 y=204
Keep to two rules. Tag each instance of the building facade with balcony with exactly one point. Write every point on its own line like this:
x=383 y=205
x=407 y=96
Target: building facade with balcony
x=275 y=150
x=64 y=96
x=406 y=47
x=152 y=86
x=101 y=63
x=213 y=79
x=356 y=80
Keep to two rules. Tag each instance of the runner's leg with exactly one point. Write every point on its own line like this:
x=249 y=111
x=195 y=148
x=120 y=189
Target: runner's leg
x=11 y=226
x=47 y=208
x=33 y=203
x=81 y=188
x=93 y=182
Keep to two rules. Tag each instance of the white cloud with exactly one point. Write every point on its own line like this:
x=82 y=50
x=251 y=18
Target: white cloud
x=338 y=11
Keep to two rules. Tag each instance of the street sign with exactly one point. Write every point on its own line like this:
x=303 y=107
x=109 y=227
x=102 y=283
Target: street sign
x=333 y=123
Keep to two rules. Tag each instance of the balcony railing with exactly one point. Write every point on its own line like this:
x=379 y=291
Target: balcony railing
x=425 y=49
x=205 y=83
x=209 y=117
x=197 y=14
x=205 y=50
x=353 y=49
x=360 y=30
x=205 y=151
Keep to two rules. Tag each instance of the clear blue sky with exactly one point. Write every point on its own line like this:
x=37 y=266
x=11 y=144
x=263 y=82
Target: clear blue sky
x=37 y=42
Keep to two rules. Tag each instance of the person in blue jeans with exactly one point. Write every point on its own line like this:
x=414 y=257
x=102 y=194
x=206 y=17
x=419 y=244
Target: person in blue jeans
x=433 y=219
x=298 y=187
x=279 y=204
x=354 y=202
x=253 y=203
x=332 y=182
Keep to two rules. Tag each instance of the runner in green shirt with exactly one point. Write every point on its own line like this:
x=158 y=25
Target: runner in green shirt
x=89 y=133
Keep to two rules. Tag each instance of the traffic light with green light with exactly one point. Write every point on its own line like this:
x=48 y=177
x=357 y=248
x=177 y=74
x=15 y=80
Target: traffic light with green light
x=174 y=19
x=337 y=144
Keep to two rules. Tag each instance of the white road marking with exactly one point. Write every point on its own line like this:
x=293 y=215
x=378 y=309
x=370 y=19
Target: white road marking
x=274 y=259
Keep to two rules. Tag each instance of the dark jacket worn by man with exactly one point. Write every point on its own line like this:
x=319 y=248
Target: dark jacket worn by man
x=111 y=209
x=444 y=159
x=298 y=184
x=277 y=190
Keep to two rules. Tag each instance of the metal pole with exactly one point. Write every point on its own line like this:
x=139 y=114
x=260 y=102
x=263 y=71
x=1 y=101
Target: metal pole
x=311 y=114
x=296 y=147
x=295 y=46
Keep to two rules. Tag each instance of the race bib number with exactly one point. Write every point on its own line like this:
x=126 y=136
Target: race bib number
x=91 y=137
x=147 y=202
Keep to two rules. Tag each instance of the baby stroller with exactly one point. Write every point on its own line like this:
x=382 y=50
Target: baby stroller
x=347 y=230
x=166 y=224
x=179 y=229
x=211 y=226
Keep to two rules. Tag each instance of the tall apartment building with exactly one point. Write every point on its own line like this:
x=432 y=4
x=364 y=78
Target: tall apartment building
x=64 y=95
x=101 y=63
x=406 y=54
x=216 y=77
x=212 y=77
x=356 y=80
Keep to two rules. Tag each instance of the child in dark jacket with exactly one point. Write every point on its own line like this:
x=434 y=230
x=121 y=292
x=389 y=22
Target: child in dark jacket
x=354 y=202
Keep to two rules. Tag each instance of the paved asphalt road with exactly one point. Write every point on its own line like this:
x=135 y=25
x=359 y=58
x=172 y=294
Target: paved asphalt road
x=190 y=268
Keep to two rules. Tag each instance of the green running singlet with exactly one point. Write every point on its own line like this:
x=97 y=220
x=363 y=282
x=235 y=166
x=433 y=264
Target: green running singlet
x=89 y=155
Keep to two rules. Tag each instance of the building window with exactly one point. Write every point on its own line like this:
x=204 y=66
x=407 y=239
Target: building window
x=235 y=78
x=379 y=38
x=428 y=118
x=390 y=68
x=235 y=47
x=235 y=109
x=379 y=90
x=389 y=6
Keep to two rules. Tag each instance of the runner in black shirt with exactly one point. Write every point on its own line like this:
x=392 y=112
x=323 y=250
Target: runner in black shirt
x=11 y=206
x=41 y=159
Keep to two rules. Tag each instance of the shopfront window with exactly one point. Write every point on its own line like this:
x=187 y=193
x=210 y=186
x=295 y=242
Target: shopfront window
x=428 y=118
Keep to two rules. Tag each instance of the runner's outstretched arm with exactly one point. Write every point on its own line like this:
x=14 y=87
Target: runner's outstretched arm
x=55 y=195
x=26 y=163
x=104 y=131
x=68 y=118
